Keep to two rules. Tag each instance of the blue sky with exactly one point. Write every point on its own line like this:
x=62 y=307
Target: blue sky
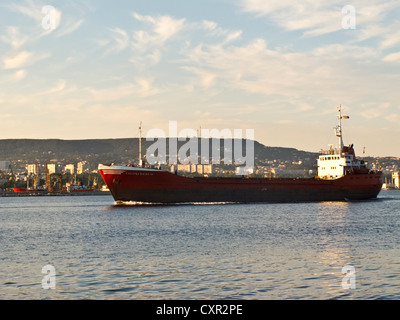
x=278 y=67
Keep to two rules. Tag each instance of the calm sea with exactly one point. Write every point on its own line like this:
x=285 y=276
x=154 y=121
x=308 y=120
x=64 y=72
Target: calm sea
x=229 y=251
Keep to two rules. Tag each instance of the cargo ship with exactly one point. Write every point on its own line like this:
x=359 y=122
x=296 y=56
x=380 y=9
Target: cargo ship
x=340 y=177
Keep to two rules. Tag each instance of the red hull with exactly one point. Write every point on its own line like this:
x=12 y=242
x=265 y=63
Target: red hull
x=155 y=186
x=20 y=190
x=24 y=190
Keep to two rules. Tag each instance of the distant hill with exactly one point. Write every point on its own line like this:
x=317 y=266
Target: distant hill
x=118 y=151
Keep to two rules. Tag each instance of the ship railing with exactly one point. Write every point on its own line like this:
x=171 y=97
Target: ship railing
x=329 y=152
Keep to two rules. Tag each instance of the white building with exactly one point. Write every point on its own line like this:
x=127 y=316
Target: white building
x=69 y=168
x=396 y=179
x=32 y=169
x=51 y=168
x=82 y=167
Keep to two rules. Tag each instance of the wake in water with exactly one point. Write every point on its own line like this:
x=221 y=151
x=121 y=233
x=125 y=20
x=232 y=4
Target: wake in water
x=140 y=203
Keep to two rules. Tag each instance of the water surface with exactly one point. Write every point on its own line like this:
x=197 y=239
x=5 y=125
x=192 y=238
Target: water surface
x=226 y=251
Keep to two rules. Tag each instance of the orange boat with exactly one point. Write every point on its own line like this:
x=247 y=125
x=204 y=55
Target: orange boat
x=20 y=190
x=26 y=190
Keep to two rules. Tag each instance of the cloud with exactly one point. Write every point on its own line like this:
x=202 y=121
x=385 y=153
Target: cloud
x=139 y=88
x=314 y=17
x=394 y=118
x=318 y=17
x=377 y=111
x=22 y=59
x=14 y=38
x=148 y=45
x=68 y=27
x=215 y=30
x=14 y=77
x=17 y=61
x=64 y=23
x=163 y=28
x=302 y=82
x=253 y=68
x=58 y=88
x=30 y=9
x=159 y=34
x=392 y=57
x=121 y=39
x=207 y=79
x=19 y=75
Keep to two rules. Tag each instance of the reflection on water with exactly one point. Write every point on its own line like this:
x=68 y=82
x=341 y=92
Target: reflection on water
x=227 y=251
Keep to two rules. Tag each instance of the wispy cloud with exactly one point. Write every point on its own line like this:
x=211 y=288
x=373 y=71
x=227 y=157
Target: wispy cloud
x=65 y=22
x=313 y=17
x=147 y=45
x=392 y=57
x=163 y=28
x=60 y=86
x=154 y=63
x=67 y=27
x=22 y=59
x=215 y=30
x=28 y=8
x=119 y=41
x=318 y=17
x=14 y=38
x=140 y=87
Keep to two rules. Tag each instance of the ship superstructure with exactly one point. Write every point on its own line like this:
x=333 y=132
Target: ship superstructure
x=336 y=163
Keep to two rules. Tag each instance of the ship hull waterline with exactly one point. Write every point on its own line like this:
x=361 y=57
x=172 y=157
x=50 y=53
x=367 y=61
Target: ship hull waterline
x=162 y=187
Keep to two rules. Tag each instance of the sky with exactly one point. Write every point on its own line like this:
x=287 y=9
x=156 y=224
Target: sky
x=95 y=69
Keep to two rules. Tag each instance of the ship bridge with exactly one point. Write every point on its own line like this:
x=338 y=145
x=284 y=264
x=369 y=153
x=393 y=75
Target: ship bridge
x=333 y=165
x=336 y=163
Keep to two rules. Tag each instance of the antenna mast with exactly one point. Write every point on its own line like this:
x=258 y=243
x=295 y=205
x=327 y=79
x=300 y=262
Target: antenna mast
x=140 y=144
x=339 y=128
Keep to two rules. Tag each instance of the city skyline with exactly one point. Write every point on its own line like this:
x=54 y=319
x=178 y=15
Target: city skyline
x=276 y=67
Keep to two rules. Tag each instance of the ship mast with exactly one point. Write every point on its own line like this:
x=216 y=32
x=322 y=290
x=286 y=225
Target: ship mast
x=140 y=144
x=339 y=129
